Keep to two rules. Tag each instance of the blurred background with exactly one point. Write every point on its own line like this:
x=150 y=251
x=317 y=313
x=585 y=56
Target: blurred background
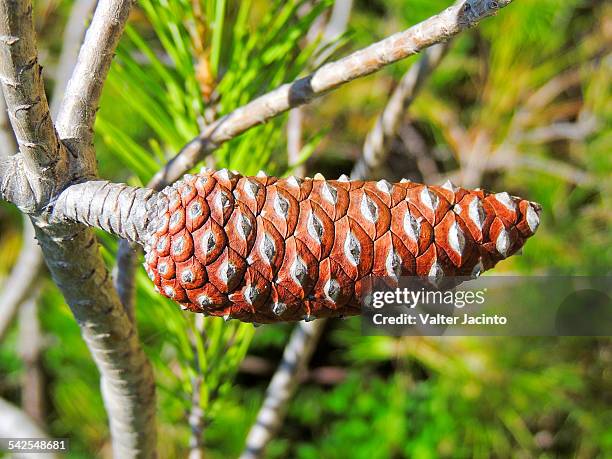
x=522 y=103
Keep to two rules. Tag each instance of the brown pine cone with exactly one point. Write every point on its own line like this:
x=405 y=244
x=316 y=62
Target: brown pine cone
x=262 y=249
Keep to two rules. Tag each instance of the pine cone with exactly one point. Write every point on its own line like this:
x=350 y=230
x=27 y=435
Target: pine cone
x=262 y=249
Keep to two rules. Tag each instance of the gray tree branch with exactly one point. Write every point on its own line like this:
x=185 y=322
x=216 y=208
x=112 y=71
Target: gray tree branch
x=31 y=344
x=30 y=261
x=75 y=29
x=42 y=156
x=78 y=109
x=434 y=30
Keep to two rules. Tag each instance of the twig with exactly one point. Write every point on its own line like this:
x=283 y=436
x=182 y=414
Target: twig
x=282 y=386
x=332 y=75
x=30 y=348
x=14 y=423
x=294 y=140
x=79 y=107
x=336 y=26
x=18 y=285
x=578 y=130
x=124 y=274
x=376 y=146
x=72 y=39
x=416 y=145
x=30 y=261
x=43 y=158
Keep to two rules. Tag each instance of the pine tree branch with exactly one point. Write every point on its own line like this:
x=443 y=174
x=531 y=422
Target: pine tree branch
x=124 y=273
x=75 y=29
x=79 y=107
x=376 y=146
x=128 y=388
x=43 y=158
x=434 y=30
x=30 y=260
x=297 y=353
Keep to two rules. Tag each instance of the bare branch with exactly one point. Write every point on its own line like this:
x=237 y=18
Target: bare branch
x=282 y=386
x=124 y=272
x=578 y=130
x=376 y=146
x=72 y=255
x=294 y=140
x=79 y=107
x=336 y=26
x=30 y=259
x=72 y=39
x=361 y=63
x=18 y=285
x=43 y=157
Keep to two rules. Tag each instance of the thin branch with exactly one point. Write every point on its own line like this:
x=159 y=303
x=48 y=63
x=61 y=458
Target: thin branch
x=79 y=107
x=282 y=387
x=30 y=261
x=124 y=274
x=417 y=147
x=43 y=157
x=436 y=29
x=14 y=423
x=18 y=285
x=72 y=39
x=294 y=140
x=376 y=146
x=335 y=28
x=565 y=130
